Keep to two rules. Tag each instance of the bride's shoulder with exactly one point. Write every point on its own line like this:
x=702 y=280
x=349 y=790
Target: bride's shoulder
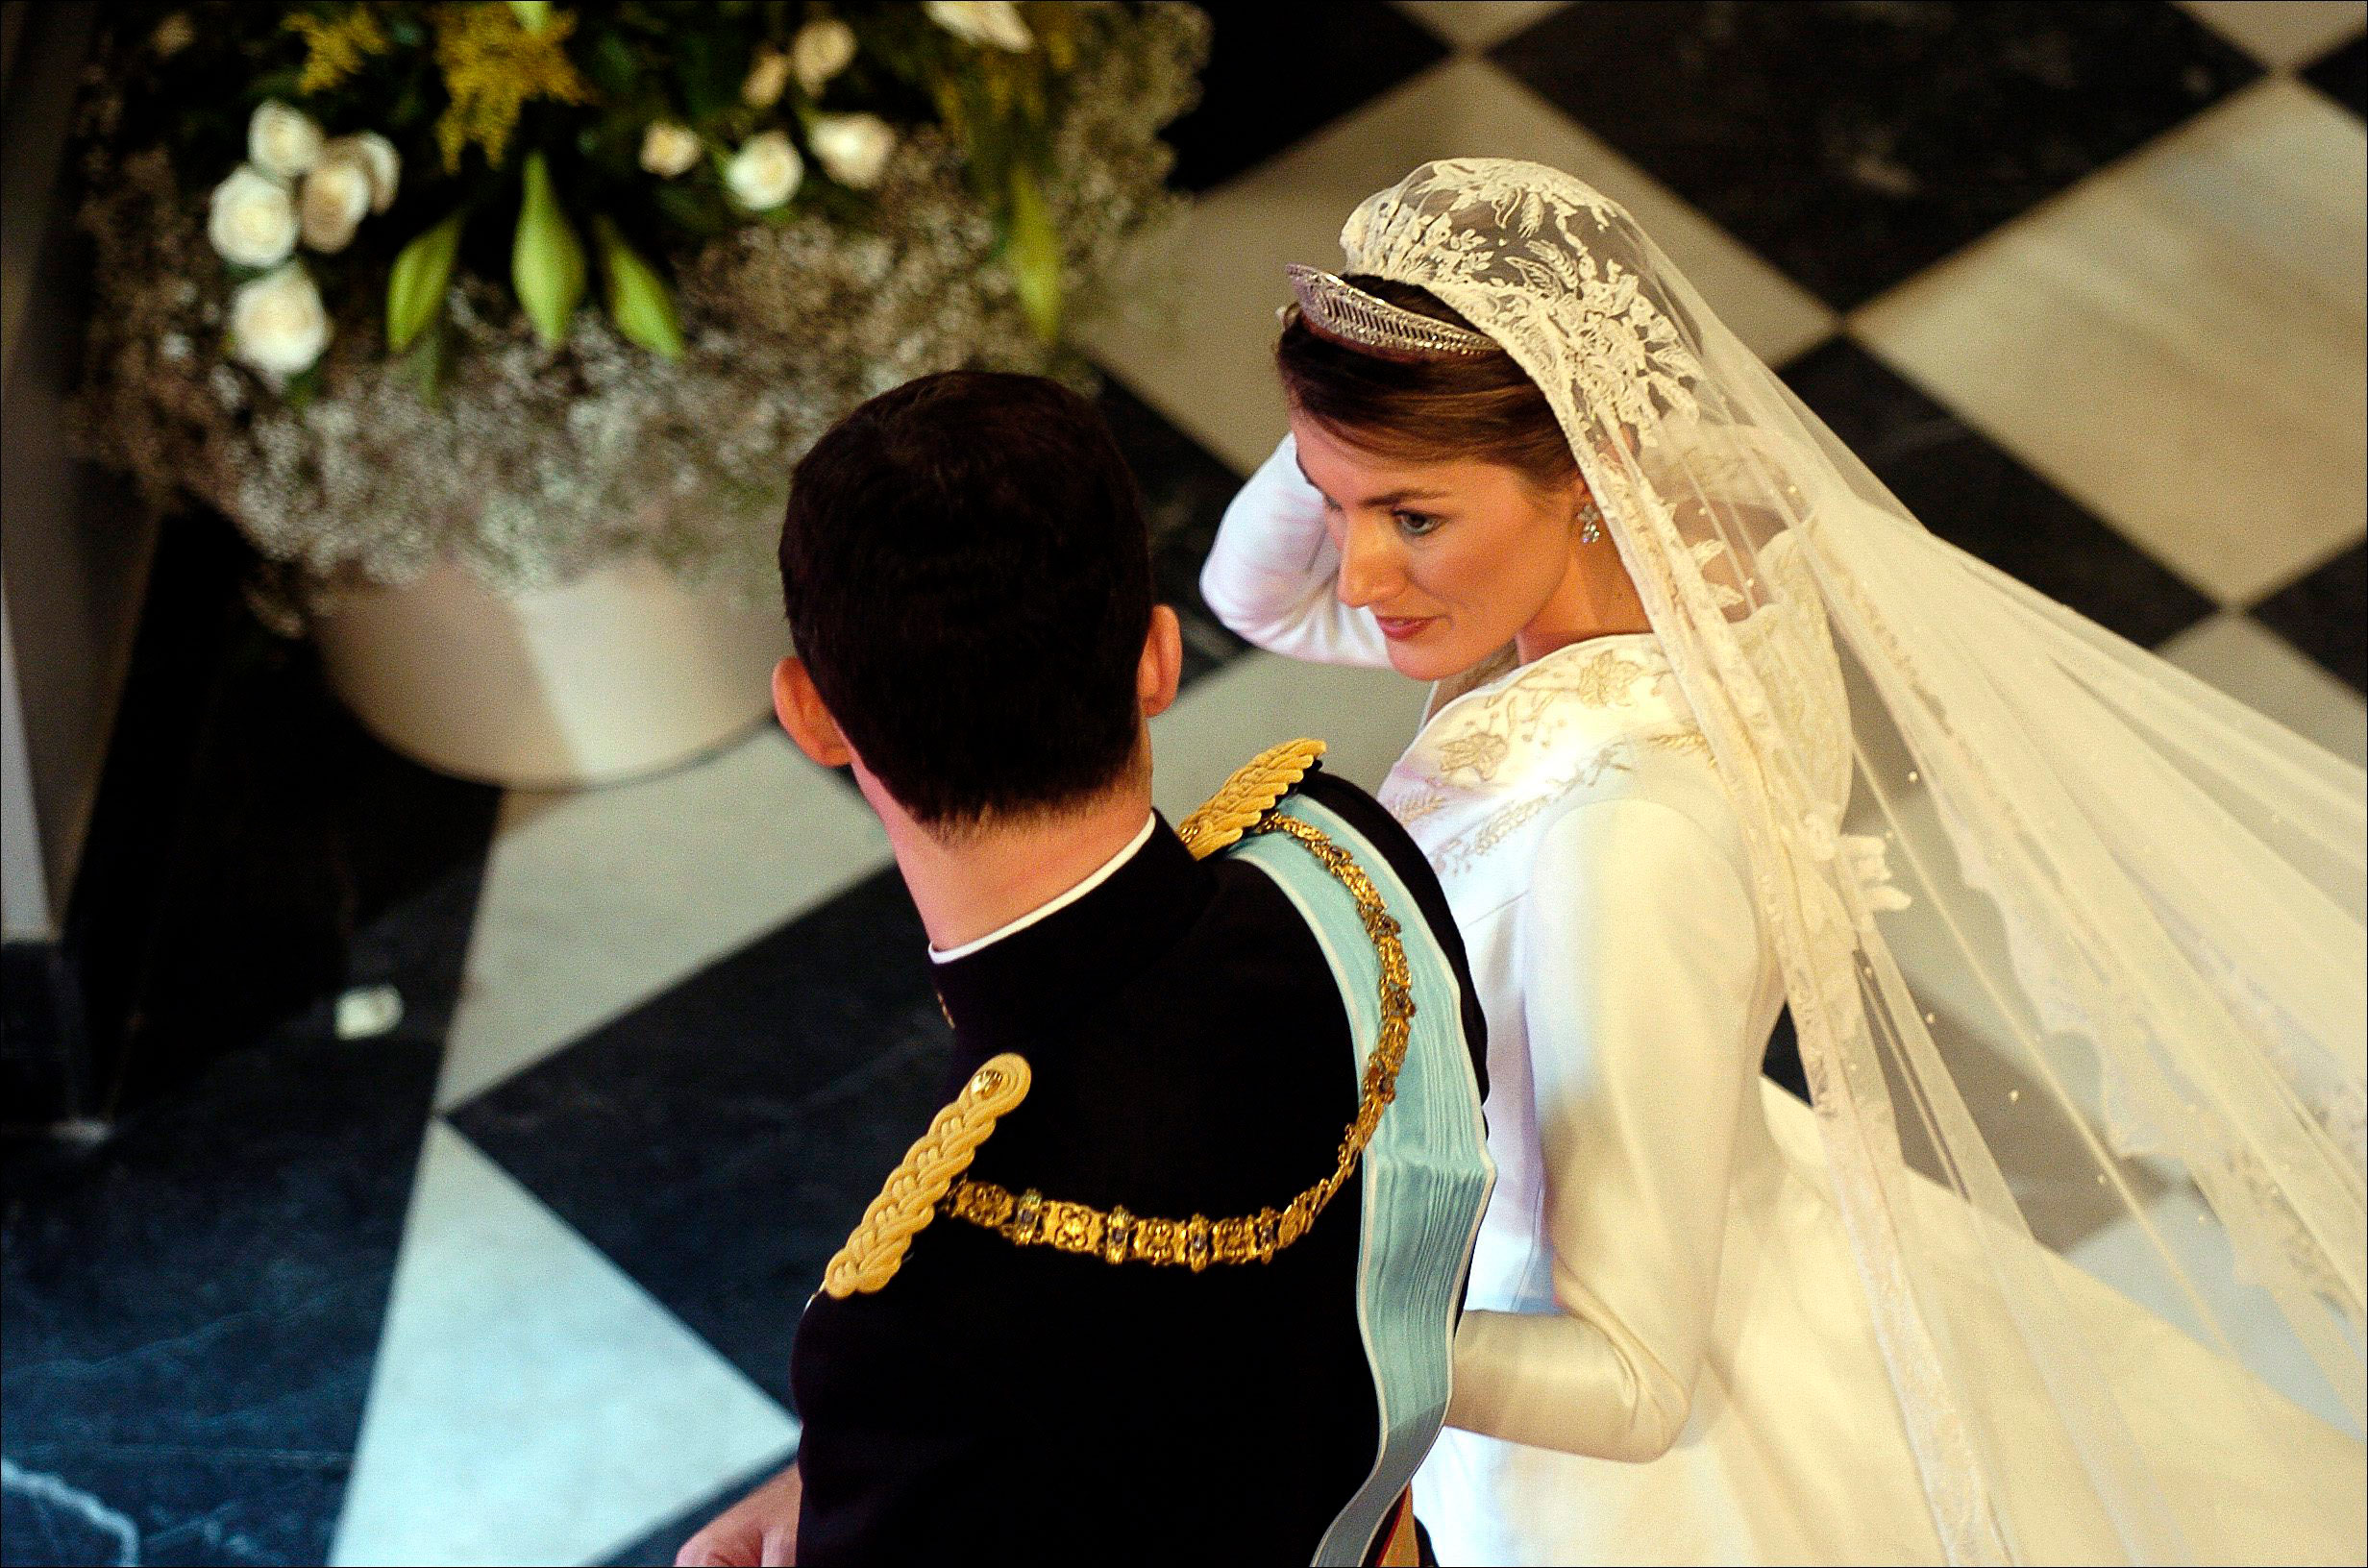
x=1500 y=768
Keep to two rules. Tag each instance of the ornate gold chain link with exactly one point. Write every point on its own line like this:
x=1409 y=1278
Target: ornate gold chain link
x=1029 y=1219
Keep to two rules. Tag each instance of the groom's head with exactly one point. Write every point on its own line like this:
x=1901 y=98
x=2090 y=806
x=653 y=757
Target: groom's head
x=968 y=578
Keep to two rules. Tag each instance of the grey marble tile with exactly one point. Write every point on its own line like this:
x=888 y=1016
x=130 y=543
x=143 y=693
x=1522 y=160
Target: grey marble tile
x=1853 y=144
x=1196 y=340
x=2177 y=342
x=530 y=1404
x=2267 y=673
x=2281 y=32
x=2343 y=75
x=1272 y=80
x=717 y=1142
x=598 y=900
x=1475 y=24
x=1976 y=495
x=2321 y=612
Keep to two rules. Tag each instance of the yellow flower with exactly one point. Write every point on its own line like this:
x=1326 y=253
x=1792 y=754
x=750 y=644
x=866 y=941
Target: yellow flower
x=492 y=68
x=335 y=46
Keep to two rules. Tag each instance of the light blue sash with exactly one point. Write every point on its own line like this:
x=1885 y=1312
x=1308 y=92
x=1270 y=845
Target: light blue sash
x=1426 y=1175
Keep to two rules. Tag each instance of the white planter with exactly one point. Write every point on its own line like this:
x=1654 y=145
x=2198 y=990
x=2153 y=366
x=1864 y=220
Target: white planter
x=621 y=673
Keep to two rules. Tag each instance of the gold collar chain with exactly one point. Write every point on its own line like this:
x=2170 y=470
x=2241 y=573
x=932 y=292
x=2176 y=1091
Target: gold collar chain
x=930 y=1177
x=1114 y=1235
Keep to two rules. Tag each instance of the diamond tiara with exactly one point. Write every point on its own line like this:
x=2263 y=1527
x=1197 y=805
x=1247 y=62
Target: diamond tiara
x=1339 y=310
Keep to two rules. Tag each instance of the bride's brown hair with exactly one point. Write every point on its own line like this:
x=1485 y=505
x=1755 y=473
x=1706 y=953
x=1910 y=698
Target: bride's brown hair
x=1483 y=405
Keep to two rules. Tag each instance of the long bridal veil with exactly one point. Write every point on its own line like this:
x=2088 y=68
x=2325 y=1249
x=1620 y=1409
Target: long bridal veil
x=2073 y=946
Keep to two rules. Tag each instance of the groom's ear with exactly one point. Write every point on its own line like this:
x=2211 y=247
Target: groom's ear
x=802 y=713
x=1161 y=667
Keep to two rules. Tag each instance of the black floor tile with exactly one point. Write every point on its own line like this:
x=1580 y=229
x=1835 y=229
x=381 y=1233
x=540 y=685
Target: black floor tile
x=2323 y=614
x=315 y=860
x=1276 y=73
x=719 y=1142
x=1185 y=492
x=1979 y=498
x=2342 y=74
x=194 y=1304
x=1852 y=144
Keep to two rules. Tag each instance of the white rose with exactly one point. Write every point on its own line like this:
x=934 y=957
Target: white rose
x=852 y=148
x=821 y=49
x=281 y=140
x=764 y=173
x=668 y=149
x=252 y=221
x=377 y=158
x=277 y=324
x=767 y=75
x=334 y=198
x=982 y=21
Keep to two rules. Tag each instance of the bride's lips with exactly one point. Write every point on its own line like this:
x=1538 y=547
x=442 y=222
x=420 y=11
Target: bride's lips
x=1399 y=627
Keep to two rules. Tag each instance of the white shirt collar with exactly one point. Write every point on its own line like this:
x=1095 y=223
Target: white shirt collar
x=1109 y=868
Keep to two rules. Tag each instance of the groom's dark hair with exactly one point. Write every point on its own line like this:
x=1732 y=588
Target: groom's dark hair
x=967 y=576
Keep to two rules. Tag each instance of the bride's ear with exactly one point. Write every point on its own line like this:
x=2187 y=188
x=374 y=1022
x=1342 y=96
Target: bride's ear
x=802 y=713
x=1162 y=667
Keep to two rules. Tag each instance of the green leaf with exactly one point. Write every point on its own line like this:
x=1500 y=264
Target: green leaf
x=533 y=16
x=546 y=259
x=429 y=362
x=639 y=301
x=1032 y=250
x=415 y=288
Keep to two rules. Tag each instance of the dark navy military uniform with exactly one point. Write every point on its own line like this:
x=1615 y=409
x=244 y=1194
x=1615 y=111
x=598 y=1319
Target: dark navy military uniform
x=1191 y=1054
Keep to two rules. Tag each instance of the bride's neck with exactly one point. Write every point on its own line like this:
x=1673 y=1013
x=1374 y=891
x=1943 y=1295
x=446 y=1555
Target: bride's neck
x=1597 y=597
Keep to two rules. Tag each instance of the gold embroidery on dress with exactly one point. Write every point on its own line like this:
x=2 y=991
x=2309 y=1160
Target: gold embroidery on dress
x=1412 y=806
x=1685 y=743
x=1481 y=751
x=1606 y=679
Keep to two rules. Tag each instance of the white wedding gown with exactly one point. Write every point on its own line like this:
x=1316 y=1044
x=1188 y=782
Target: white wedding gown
x=1664 y=1303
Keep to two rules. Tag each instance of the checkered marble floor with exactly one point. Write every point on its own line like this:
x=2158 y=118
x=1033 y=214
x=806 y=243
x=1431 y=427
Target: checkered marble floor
x=516 y=1282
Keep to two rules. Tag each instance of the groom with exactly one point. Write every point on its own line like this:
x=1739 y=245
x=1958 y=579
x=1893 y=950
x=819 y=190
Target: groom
x=1175 y=1273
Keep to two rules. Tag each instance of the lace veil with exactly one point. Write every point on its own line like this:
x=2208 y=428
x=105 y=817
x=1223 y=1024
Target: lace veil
x=2072 y=943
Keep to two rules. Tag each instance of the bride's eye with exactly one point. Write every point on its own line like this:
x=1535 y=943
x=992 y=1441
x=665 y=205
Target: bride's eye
x=1414 y=524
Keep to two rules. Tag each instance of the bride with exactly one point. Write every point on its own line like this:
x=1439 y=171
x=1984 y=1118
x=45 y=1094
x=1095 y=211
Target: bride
x=2066 y=1263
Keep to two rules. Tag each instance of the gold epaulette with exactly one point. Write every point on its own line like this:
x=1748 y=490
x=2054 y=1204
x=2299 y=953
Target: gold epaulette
x=1247 y=795
x=909 y=1200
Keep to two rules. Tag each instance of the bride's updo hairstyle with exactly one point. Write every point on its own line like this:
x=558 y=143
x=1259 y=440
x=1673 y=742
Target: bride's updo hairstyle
x=1482 y=406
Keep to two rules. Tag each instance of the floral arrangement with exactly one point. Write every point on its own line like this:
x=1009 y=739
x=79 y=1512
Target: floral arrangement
x=535 y=286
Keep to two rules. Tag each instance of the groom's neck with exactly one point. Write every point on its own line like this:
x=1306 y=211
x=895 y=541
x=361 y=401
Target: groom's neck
x=983 y=880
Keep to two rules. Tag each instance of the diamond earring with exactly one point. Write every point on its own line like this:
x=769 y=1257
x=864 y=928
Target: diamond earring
x=1590 y=521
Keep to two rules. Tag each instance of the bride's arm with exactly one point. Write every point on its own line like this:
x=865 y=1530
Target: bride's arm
x=1640 y=958
x=1270 y=575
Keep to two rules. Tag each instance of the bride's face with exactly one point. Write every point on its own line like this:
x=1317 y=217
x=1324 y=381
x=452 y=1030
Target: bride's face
x=1453 y=558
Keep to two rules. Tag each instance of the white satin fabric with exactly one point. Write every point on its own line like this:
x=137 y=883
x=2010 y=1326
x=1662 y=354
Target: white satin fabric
x=1667 y=1355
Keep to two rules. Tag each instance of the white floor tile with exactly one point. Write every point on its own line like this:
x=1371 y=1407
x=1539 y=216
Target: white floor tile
x=1476 y=24
x=1199 y=344
x=2281 y=32
x=1366 y=719
x=530 y=1404
x=598 y=900
x=2177 y=341
x=2263 y=671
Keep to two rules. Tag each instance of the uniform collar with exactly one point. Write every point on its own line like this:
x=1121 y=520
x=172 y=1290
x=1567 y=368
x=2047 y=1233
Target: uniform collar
x=1005 y=995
